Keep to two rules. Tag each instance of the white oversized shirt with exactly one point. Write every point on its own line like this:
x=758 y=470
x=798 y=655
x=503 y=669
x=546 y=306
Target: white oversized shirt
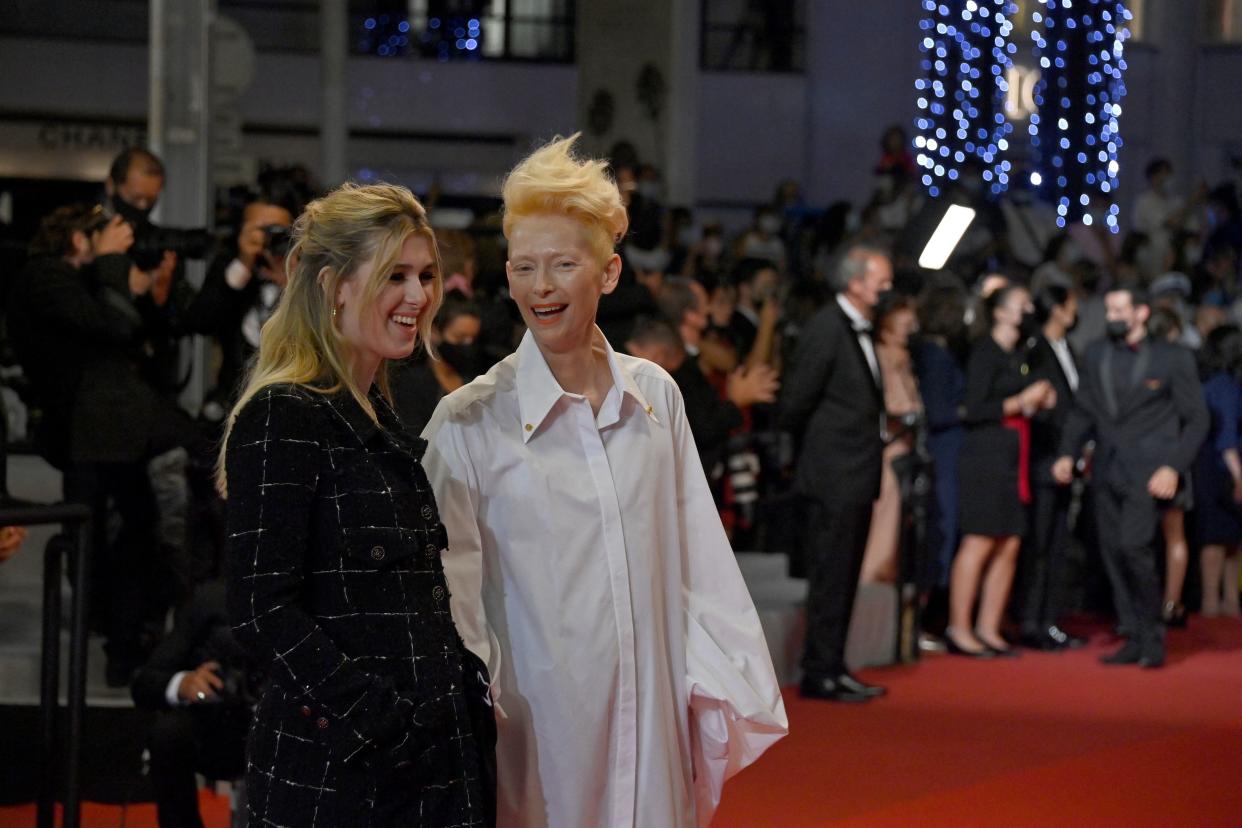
x=589 y=569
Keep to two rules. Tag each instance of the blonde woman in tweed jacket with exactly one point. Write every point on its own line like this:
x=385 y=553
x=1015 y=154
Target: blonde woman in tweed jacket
x=375 y=714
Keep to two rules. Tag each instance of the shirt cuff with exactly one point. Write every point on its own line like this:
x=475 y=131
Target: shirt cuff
x=174 y=687
x=237 y=275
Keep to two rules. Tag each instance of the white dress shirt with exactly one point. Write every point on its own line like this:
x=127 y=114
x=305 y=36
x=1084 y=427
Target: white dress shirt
x=862 y=330
x=589 y=569
x=1062 y=350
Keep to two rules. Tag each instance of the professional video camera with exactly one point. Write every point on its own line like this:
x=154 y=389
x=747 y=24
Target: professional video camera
x=151 y=240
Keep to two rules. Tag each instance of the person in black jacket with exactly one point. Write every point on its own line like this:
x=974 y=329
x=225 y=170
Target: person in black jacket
x=75 y=325
x=201 y=684
x=1047 y=544
x=375 y=713
x=1142 y=400
x=1001 y=397
x=711 y=417
x=834 y=401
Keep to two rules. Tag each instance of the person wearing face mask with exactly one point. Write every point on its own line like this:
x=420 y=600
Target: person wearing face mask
x=763 y=240
x=1044 y=552
x=1142 y=400
x=1002 y=395
x=1160 y=213
x=833 y=405
x=419 y=383
x=373 y=713
x=631 y=673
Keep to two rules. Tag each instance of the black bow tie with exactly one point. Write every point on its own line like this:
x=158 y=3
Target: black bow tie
x=861 y=327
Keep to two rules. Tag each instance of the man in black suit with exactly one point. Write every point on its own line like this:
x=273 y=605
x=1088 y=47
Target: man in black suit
x=834 y=401
x=1142 y=400
x=1044 y=551
x=201 y=684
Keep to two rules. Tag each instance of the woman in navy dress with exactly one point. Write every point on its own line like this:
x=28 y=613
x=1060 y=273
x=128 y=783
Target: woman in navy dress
x=1218 y=473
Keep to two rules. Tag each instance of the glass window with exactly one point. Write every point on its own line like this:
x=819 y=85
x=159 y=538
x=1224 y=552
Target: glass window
x=1222 y=21
x=541 y=30
x=753 y=35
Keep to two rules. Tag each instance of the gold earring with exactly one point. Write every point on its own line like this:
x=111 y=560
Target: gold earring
x=334 y=310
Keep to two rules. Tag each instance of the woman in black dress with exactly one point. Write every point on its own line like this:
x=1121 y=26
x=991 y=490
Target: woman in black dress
x=993 y=473
x=375 y=714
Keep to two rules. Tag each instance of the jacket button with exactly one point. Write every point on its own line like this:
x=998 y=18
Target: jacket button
x=321 y=723
x=428 y=513
x=305 y=711
x=377 y=553
x=438 y=593
x=432 y=550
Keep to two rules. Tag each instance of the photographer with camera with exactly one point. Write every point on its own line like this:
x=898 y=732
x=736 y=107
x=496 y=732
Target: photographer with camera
x=241 y=290
x=76 y=329
x=202 y=686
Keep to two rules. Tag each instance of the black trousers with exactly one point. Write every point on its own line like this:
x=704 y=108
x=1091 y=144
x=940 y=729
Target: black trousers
x=118 y=566
x=1044 y=558
x=836 y=540
x=206 y=739
x=1128 y=519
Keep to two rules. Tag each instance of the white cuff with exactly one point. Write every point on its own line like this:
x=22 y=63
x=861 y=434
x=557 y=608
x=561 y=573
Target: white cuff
x=237 y=275
x=174 y=688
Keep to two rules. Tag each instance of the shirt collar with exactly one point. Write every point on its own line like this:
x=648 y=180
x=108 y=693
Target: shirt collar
x=538 y=392
x=860 y=322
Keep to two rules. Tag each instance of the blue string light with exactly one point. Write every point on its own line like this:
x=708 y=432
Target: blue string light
x=967 y=49
x=1077 y=133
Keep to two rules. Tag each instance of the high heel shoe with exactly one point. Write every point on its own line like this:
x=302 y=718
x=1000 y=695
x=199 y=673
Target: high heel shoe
x=998 y=652
x=956 y=649
x=1174 y=614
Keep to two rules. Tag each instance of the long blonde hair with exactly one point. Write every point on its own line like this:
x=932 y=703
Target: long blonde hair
x=300 y=343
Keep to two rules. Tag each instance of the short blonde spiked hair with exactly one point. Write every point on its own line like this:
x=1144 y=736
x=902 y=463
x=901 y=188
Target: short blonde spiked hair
x=553 y=179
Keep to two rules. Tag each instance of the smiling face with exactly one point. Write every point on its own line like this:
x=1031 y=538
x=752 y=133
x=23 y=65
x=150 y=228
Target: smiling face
x=386 y=326
x=556 y=278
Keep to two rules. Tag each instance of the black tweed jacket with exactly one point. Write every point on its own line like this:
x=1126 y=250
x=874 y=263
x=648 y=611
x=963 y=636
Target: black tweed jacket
x=375 y=714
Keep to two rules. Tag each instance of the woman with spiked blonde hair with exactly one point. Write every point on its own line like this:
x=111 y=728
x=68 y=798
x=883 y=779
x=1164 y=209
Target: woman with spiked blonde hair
x=374 y=713
x=630 y=671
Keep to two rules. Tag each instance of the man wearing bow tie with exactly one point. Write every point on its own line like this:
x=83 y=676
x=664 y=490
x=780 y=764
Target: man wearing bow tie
x=834 y=401
x=1142 y=400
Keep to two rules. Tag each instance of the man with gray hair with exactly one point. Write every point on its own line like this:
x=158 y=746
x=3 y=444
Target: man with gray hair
x=834 y=402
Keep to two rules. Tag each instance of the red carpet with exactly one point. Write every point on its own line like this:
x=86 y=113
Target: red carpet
x=1041 y=740
x=1045 y=739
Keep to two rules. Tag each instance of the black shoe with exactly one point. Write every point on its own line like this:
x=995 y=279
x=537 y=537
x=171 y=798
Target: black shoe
x=1152 y=660
x=1064 y=640
x=955 y=649
x=1044 y=642
x=1001 y=652
x=1130 y=653
x=831 y=688
x=854 y=685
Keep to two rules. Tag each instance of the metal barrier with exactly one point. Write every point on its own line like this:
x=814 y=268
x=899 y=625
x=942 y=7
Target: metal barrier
x=70 y=545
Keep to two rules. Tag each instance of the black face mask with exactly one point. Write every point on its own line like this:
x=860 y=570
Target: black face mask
x=1116 y=330
x=1029 y=326
x=132 y=215
x=466 y=360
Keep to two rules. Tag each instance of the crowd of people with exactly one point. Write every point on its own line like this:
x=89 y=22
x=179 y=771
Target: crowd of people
x=956 y=430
